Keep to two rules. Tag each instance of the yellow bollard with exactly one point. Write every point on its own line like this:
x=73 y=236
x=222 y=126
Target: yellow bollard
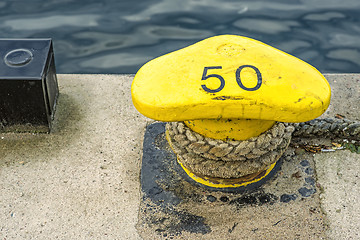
x=230 y=88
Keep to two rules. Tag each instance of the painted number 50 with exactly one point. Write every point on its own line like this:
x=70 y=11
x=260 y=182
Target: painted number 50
x=237 y=75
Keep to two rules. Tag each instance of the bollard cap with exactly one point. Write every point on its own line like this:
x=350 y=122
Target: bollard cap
x=227 y=77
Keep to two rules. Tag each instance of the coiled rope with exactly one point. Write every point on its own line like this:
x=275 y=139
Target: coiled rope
x=235 y=159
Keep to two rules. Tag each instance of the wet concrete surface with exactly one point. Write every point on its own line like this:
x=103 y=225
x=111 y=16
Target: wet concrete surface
x=173 y=205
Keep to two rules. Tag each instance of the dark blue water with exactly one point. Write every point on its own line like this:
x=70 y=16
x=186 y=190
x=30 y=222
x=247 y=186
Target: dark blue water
x=118 y=36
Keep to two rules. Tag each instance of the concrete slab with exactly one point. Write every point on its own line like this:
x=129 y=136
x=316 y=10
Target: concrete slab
x=338 y=172
x=82 y=181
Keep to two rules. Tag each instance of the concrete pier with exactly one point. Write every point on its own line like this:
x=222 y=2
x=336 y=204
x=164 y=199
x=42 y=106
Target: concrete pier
x=82 y=181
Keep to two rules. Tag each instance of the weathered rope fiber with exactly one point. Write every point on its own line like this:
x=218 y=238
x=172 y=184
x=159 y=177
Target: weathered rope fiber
x=328 y=128
x=228 y=159
x=235 y=159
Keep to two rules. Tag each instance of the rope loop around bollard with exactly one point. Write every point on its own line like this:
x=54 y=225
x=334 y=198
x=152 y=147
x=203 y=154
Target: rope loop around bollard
x=235 y=159
x=228 y=159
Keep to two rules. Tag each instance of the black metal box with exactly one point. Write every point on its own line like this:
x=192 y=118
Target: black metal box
x=28 y=85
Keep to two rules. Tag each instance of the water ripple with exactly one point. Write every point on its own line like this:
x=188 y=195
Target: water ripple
x=50 y=22
x=111 y=36
x=267 y=26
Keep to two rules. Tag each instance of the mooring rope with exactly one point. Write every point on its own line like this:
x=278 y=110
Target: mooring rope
x=329 y=128
x=235 y=159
